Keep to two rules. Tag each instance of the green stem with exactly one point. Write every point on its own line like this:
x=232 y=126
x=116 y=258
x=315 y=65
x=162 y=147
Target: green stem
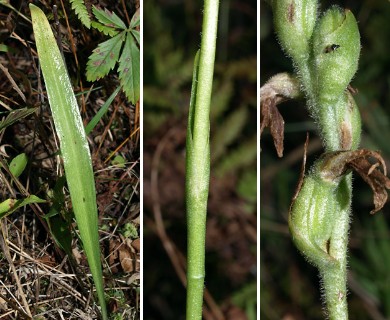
x=334 y=276
x=198 y=160
x=334 y=281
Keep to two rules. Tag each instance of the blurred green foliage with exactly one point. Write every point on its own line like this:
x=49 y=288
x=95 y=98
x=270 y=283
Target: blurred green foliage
x=289 y=286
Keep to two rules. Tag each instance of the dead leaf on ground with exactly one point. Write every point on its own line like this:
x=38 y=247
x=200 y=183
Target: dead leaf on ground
x=127 y=259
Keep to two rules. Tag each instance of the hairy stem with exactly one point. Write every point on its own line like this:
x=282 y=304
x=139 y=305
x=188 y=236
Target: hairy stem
x=198 y=160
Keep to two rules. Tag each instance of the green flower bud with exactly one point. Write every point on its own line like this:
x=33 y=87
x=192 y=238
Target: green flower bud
x=336 y=49
x=313 y=214
x=294 y=23
x=341 y=124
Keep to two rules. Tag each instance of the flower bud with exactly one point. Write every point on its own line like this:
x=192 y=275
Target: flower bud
x=341 y=125
x=336 y=49
x=312 y=216
x=294 y=23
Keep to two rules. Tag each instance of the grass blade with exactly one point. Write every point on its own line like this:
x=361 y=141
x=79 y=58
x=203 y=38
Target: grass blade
x=91 y=125
x=73 y=142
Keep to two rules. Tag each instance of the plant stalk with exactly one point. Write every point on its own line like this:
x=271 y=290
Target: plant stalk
x=334 y=276
x=198 y=160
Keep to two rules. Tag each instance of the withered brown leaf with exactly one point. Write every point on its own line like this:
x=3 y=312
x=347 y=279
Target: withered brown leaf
x=278 y=89
x=271 y=117
x=337 y=163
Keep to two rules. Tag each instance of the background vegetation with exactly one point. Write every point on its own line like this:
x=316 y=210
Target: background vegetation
x=289 y=285
x=35 y=272
x=171 y=40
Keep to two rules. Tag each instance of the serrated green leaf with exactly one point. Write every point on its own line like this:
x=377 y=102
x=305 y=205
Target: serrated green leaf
x=108 y=31
x=10 y=205
x=18 y=164
x=104 y=57
x=79 y=7
x=129 y=69
x=135 y=20
x=108 y=18
x=136 y=35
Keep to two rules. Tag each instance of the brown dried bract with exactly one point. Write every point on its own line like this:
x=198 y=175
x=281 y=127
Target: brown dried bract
x=337 y=163
x=278 y=89
x=271 y=117
x=302 y=174
x=377 y=180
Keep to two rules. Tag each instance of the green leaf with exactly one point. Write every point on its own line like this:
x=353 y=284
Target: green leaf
x=119 y=161
x=136 y=35
x=129 y=230
x=3 y=47
x=16 y=115
x=108 y=18
x=135 y=20
x=101 y=112
x=129 y=69
x=10 y=205
x=18 y=164
x=79 y=7
x=60 y=231
x=73 y=143
x=57 y=197
x=108 y=31
x=58 y=218
x=104 y=57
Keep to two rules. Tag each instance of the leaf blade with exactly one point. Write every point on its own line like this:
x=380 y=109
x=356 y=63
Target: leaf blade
x=18 y=164
x=10 y=205
x=135 y=20
x=101 y=112
x=108 y=31
x=104 y=57
x=136 y=35
x=81 y=10
x=16 y=115
x=129 y=69
x=108 y=18
x=74 y=145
